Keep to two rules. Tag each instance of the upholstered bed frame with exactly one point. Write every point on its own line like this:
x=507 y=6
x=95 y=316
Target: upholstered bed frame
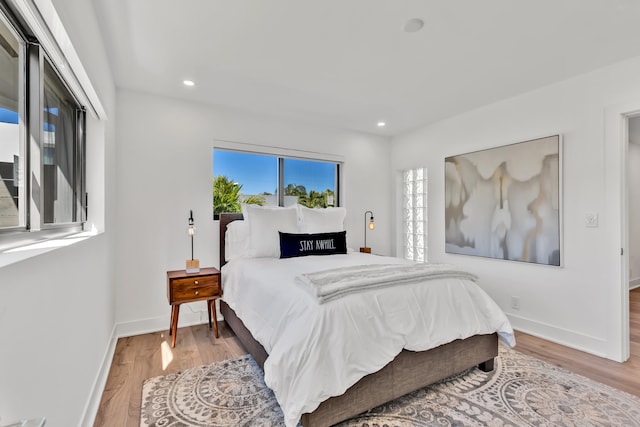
x=409 y=371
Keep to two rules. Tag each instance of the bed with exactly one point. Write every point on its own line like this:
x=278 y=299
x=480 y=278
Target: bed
x=404 y=372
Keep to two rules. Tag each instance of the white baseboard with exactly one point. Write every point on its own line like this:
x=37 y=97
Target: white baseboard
x=156 y=324
x=565 y=337
x=634 y=283
x=93 y=402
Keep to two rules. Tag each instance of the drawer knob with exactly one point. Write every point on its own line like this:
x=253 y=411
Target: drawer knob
x=197 y=292
x=196 y=282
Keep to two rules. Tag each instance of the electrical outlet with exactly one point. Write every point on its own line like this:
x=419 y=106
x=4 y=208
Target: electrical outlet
x=515 y=303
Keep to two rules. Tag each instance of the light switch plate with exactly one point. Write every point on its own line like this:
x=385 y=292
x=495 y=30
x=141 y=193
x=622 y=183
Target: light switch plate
x=591 y=219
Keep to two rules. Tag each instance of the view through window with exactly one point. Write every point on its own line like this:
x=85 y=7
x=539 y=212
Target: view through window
x=263 y=179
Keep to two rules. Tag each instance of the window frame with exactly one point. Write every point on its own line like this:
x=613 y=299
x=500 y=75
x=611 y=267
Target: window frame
x=33 y=57
x=79 y=147
x=281 y=178
x=280 y=154
x=7 y=19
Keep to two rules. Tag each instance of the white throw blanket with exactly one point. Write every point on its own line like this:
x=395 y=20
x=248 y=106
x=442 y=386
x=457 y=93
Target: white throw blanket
x=328 y=285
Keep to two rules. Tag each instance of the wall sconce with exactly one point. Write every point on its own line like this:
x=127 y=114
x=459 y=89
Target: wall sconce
x=193 y=265
x=371 y=225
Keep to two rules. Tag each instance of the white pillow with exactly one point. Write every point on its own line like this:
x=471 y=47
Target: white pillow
x=247 y=208
x=245 y=213
x=321 y=220
x=264 y=225
x=237 y=244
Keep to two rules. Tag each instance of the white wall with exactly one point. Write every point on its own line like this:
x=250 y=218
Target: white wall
x=577 y=304
x=57 y=309
x=165 y=169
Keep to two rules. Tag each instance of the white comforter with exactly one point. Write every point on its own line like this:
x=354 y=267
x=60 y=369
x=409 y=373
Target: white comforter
x=317 y=351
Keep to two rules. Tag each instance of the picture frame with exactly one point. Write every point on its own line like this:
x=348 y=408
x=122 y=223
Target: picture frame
x=506 y=202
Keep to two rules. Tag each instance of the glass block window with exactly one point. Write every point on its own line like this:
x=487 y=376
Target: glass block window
x=414 y=214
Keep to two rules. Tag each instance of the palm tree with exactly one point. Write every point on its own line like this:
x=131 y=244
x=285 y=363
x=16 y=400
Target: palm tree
x=316 y=200
x=226 y=196
x=295 y=190
x=312 y=200
x=254 y=200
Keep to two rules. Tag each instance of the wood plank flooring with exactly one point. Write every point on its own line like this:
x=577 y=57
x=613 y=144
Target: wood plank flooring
x=150 y=355
x=144 y=356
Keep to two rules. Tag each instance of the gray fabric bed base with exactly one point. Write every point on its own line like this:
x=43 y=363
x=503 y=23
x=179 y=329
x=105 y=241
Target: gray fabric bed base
x=409 y=371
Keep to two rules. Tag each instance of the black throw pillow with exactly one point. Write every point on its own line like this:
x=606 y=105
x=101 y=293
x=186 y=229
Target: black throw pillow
x=294 y=245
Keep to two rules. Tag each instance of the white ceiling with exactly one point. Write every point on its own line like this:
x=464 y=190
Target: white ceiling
x=349 y=64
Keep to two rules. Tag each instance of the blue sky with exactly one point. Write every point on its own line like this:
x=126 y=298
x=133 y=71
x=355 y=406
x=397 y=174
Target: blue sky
x=8 y=116
x=258 y=173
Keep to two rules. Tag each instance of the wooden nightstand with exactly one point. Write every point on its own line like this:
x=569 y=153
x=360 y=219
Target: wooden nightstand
x=185 y=287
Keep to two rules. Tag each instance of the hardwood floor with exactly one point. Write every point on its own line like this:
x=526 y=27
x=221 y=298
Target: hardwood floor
x=145 y=356
x=150 y=355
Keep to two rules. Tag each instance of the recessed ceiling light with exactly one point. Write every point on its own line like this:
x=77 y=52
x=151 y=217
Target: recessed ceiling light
x=381 y=124
x=413 y=25
x=188 y=83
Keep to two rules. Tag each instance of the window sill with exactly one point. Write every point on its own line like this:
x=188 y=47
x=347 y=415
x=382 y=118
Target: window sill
x=20 y=253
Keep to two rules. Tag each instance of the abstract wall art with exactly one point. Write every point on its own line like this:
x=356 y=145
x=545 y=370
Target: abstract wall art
x=505 y=202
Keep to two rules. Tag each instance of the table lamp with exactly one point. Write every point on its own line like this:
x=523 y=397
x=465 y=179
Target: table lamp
x=193 y=265
x=371 y=225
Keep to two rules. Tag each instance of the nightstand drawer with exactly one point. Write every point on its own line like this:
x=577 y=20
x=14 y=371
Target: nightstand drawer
x=195 y=288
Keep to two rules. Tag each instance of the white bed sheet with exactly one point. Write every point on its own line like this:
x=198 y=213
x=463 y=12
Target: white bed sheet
x=317 y=351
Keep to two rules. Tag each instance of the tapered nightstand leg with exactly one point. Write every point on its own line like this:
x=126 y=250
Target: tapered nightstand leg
x=173 y=308
x=215 y=317
x=174 y=324
x=209 y=302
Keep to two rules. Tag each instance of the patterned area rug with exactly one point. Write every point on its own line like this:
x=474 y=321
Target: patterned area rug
x=521 y=391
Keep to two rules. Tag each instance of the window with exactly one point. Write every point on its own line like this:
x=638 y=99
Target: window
x=265 y=179
x=62 y=159
x=12 y=206
x=311 y=183
x=414 y=214
x=243 y=178
x=42 y=161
